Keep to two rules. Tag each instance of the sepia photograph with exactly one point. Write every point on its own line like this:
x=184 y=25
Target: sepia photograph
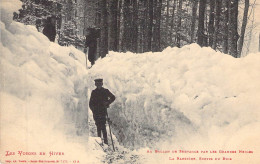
x=130 y=82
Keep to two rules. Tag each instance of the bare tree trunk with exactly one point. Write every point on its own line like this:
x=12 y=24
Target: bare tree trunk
x=135 y=27
x=113 y=28
x=157 y=31
x=193 y=19
x=119 y=25
x=104 y=29
x=233 y=34
x=200 y=32
x=150 y=25
x=167 y=22
x=225 y=11
x=172 y=22
x=217 y=20
x=145 y=26
x=211 y=22
x=154 y=23
x=178 y=31
x=126 y=39
x=140 y=26
x=243 y=28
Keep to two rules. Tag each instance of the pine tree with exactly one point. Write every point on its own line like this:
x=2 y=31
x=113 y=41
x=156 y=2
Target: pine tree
x=211 y=28
x=104 y=29
x=178 y=29
x=225 y=13
x=113 y=26
x=157 y=26
x=232 y=28
x=201 y=35
x=217 y=23
x=150 y=25
x=126 y=38
x=193 y=20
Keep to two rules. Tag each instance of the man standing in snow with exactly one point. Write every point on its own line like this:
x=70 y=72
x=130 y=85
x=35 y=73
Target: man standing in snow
x=100 y=100
x=50 y=28
x=91 y=42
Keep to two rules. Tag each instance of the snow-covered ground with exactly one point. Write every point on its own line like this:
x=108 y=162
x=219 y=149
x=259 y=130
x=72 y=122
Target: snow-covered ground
x=43 y=99
x=43 y=95
x=190 y=98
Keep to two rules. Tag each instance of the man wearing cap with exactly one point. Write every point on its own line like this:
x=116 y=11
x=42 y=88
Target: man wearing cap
x=100 y=100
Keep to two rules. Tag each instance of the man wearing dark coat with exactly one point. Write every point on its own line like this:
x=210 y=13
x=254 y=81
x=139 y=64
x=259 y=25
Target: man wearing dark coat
x=100 y=100
x=91 y=43
x=49 y=29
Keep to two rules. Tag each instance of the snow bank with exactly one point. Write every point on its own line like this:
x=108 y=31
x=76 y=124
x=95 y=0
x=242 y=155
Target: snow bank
x=7 y=8
x=189 y=97
x=43 y=94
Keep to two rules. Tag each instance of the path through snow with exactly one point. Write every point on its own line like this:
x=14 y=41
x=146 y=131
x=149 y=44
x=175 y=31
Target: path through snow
x=121 y=155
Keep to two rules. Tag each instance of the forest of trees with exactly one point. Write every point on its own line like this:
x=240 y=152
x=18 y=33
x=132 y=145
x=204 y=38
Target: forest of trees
x=35 y=12
x=152 y=25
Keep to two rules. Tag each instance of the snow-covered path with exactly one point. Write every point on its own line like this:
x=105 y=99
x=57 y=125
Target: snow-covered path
x=43 y=98
x=120 y=155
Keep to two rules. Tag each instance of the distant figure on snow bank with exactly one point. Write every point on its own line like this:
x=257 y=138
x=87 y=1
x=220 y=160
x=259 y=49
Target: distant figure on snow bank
x=100 y=100
x=91 y=42
x=49 y=29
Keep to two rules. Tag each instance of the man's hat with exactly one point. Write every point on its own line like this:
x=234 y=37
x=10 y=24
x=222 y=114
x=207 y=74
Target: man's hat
x=98 y=80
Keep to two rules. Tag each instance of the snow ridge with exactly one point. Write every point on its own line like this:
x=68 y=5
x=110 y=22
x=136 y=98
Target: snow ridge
x=43 y=93
x=179 y=93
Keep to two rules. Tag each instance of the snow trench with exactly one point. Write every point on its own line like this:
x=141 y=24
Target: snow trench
x=43 y=92
x=180 y=93
x=188 y=97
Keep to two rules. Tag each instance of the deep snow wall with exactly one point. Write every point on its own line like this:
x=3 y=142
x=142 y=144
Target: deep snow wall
x=43 y=93
x=181 y=95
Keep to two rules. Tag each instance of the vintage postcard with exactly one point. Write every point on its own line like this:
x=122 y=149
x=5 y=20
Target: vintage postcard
x=129 y=81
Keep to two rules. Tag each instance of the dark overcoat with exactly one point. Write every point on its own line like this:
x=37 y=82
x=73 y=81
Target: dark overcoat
x=100 y=100
x=91 y=43
x=50 y=31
